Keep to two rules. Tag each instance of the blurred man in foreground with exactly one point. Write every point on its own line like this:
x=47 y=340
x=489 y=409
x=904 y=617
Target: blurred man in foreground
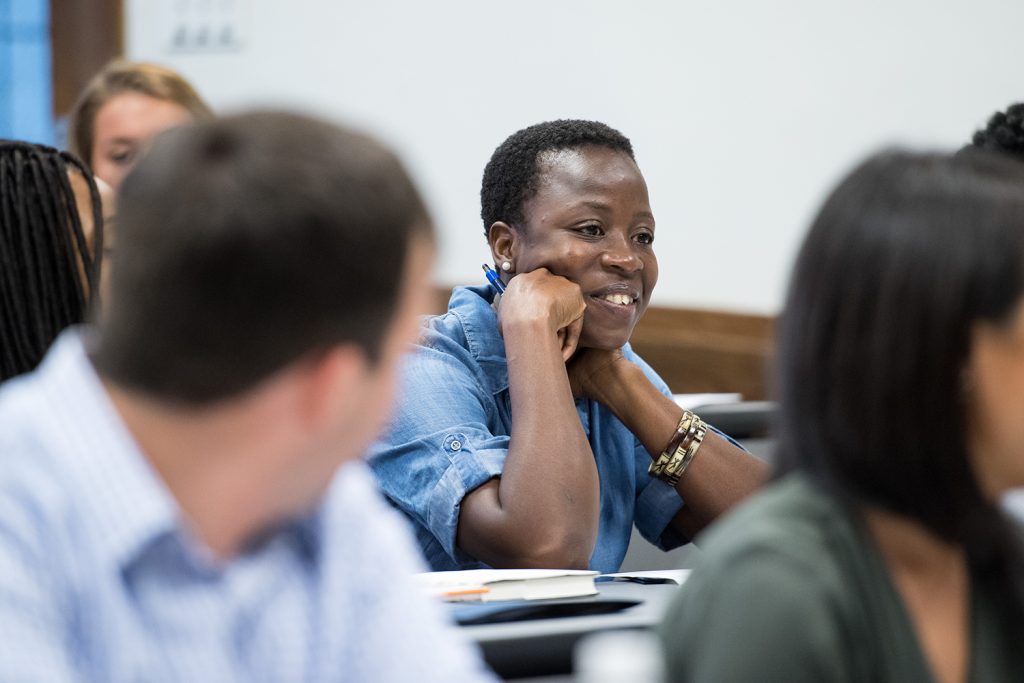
x=163 y=514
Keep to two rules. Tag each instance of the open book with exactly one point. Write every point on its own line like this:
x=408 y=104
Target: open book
x=488 y=585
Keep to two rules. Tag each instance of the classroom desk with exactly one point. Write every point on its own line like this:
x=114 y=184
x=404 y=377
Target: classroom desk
x=543 y=647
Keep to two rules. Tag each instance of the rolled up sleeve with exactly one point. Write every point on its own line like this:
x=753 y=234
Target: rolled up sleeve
x=441 y=443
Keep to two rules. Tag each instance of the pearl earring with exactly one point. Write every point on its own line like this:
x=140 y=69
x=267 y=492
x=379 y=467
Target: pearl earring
x=506 y=266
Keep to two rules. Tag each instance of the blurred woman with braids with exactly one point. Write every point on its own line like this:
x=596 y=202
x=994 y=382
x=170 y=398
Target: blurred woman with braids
x=51 y=247
x=880 y=553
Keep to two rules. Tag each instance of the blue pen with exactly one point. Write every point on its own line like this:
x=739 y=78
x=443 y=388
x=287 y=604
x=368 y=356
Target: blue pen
x=494 y=279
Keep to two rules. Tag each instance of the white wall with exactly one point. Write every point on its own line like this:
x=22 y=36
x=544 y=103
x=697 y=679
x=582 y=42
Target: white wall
x=742 y=113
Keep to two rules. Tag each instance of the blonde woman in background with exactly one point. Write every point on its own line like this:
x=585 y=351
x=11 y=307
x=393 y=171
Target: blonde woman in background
x=122 y=108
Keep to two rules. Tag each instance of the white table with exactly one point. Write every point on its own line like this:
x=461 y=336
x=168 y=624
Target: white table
x=543 y=647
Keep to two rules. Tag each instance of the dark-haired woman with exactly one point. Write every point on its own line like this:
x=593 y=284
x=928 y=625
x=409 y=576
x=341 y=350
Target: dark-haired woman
x=526 y=427
x=1004 y=133
x=880 y=553
x=51 y=247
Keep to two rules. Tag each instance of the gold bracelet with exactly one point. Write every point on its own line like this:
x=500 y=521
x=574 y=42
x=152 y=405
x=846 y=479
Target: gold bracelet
x=658 y=466
x=677 y=458
x=678 y=438
x=673 y=464
x=672 y=475
x=683 y=445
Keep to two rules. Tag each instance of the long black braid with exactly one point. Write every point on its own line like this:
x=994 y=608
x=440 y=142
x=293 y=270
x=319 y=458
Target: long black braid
x=48 y=272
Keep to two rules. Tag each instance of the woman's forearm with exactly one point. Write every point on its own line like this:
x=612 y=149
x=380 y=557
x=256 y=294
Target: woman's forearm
x=719 y=477
x=544 y=510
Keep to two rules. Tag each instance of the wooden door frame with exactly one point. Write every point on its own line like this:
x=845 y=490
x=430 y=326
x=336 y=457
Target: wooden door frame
x=84 y=36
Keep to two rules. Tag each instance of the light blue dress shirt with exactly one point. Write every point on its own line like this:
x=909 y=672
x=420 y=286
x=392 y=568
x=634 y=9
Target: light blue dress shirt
x=450 y=434
x=101 y=579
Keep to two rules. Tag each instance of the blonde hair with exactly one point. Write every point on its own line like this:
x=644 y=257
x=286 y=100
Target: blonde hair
x=121 y=76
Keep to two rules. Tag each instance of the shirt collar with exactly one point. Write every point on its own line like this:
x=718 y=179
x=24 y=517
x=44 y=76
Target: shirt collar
x=120 y=496
x=123 y=498
x=472 y=306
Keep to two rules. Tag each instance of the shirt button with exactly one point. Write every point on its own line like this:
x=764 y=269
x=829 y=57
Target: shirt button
x=456 y=445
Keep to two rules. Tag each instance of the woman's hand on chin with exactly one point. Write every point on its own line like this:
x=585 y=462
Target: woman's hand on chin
x=546 y=302
x=592 y=371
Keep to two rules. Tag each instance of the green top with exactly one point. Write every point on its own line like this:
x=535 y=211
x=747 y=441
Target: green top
x=791 y=588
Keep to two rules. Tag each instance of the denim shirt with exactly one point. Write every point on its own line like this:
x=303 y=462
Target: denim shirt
x=450 y=434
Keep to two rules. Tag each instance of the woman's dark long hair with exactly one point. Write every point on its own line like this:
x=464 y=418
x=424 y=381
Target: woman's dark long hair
x=43 y=252
x=905 y=256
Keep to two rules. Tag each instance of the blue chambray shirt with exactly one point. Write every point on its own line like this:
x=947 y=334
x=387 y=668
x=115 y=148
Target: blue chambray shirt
x=101 y=578
x=450 y=434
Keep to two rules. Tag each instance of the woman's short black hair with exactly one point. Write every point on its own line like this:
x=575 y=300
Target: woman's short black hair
x=1004 y=132
x=47 y=268
x=905 y=256
x=510 y=177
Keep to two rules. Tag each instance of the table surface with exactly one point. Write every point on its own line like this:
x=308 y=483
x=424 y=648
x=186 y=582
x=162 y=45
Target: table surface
x=543 y=647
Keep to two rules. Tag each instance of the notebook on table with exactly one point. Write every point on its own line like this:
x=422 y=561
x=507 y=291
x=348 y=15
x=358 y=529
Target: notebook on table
x=490 y=585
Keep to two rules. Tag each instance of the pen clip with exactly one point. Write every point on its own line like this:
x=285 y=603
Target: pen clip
x=494 y=280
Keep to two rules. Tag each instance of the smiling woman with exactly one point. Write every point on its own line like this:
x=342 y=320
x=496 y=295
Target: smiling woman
x=592 y=224
x=528 y=433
